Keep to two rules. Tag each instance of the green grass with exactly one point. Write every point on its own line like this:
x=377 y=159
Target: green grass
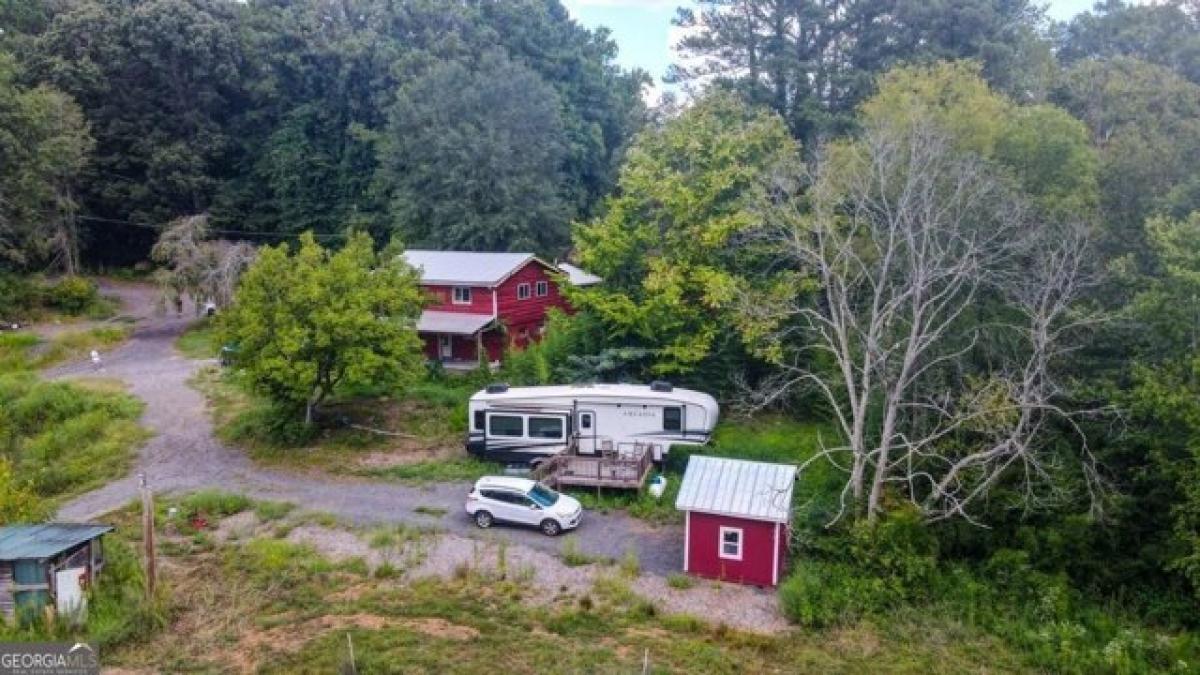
x=64 y=438
x=198 y=341
x=26 y=351
x=437 y=471
x=251 y=598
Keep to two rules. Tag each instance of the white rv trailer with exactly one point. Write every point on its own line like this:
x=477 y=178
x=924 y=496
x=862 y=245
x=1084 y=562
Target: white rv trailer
x=523 y=424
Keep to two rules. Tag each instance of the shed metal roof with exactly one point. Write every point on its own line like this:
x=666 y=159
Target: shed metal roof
x=452 y=323
x=579 y=276
x=25 y=542
x=739 y=488
x=465 y=268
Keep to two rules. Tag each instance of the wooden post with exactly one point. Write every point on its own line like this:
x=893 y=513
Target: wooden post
x=148 y=536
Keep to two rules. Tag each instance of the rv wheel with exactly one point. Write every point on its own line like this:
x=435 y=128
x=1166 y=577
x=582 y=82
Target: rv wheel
x=483 y=519
x=550 y=528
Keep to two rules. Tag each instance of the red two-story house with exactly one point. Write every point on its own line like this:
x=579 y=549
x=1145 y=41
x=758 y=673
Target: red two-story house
x=483 y=302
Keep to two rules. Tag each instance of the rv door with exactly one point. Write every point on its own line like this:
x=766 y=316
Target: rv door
x=585 y=428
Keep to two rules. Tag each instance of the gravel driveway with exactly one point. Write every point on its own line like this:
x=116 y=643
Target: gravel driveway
x=185 y=455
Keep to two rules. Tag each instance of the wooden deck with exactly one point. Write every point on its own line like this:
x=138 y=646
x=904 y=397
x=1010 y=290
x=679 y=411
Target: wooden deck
x=627 y=472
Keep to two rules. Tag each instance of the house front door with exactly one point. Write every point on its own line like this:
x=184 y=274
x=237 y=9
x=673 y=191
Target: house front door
x=445 y=347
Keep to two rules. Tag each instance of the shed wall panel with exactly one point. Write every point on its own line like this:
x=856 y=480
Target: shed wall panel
x=759 y=549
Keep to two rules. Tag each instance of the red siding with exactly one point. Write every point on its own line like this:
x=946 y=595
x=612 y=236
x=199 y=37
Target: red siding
x=759 y=549
x=443 y=300
x=464 y=347
x=523 y=319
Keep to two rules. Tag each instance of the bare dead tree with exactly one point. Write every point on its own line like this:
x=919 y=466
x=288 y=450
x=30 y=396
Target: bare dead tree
x=197 y=267
x=892 y=245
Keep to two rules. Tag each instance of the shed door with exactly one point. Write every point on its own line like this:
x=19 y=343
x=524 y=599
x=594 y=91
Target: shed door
x=69 y=584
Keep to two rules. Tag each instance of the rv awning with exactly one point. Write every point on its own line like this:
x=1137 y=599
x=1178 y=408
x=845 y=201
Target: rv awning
x=452 y=323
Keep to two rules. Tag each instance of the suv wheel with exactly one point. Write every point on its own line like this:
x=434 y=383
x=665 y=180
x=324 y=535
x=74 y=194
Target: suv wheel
x=551 y=528
x=483 y=519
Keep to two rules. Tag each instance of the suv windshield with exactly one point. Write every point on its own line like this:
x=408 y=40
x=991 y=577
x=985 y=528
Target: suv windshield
x=544 y=496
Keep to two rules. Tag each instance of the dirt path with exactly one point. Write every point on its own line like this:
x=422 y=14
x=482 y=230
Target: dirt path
x=185 y=455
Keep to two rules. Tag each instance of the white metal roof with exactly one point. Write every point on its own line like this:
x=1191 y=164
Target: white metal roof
x=736 y=487
x=465 y=268
x=578 y=276
x=452 y=323
x=595 y=391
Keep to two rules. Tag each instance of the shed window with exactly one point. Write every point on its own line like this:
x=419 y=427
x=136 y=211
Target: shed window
x=29 y=573
x=479 y=418
x=543 y=289
x=506 y=425
x=673 y=419
x=546 y=427
x=731 y=543
x=522 y=291
x=462 y=295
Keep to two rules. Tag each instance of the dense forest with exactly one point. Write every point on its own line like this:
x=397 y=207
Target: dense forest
x=483 y=125
x=965 y=236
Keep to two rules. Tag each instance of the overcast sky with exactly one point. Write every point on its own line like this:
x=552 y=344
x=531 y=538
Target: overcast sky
x=642 y=28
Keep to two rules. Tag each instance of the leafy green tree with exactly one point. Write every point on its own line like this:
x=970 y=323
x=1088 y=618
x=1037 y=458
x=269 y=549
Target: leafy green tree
x=19 y=503
x=44 y=148
x=1165 y=399
x=1046 y=151
x=1163 y=33
x=668 y=244
x=814 y=61
x=1144 y=121
x=306 y=323
x=472 y=158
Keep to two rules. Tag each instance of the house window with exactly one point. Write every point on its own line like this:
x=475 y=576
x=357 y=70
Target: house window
x=522 y=291
x=731 y=543
x=462 y=295
x=543 y=289
x=672 y=419
x=506 y=425
x=546 y=427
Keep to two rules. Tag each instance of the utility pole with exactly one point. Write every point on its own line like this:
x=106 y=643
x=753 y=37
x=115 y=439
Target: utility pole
x=148 y=536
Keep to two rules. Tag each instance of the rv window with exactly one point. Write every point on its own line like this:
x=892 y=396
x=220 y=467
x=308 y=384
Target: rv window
x=506 y=425
x=479 y=415
x=546 y=427
x=585 y=421
x=672 y=419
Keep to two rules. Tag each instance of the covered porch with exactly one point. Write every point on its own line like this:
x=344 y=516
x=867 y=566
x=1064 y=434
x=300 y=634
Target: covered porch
x=459 y=341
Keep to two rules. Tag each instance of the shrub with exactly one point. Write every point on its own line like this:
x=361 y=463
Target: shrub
x=680 y=581
x=820 y=594
x=73 y=295
x=213 y=504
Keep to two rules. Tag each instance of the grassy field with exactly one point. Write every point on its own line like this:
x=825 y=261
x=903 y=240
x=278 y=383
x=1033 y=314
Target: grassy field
x=198 y=341
x=265 y=603
x=26 y=351
x=412 y=436
x=64 y=439
x=770 y=438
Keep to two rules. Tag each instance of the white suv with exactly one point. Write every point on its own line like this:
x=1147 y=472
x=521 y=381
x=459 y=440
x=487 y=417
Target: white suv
x=524 y=501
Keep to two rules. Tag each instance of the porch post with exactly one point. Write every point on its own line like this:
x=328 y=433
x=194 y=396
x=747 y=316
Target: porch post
x=479 y=353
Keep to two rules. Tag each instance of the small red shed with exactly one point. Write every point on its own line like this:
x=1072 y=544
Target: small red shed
x=737 y=519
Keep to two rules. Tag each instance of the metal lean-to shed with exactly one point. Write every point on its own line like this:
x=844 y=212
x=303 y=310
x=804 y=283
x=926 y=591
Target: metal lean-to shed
x=46 y=564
